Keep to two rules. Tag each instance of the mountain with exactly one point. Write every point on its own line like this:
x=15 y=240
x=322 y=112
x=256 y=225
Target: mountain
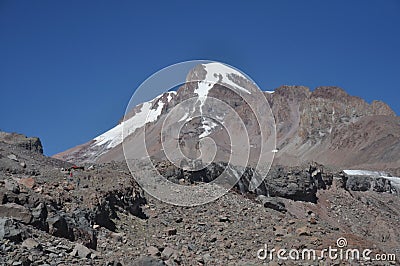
x=325 y=125
x=108 y=211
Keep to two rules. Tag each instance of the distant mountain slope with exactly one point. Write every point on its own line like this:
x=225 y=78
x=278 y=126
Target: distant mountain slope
x=332 y=127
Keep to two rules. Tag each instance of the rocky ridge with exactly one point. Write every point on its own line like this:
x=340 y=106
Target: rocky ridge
x=48 y=198
x=32 y=143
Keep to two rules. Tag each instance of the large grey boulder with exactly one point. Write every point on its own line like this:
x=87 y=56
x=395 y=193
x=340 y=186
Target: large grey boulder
x=16 y=212
x=10 y=230
x=39 y=216
x=81 y=251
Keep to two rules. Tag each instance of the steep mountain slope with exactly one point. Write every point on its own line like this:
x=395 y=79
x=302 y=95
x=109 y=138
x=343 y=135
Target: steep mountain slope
x=325 y=125
x=334 y=128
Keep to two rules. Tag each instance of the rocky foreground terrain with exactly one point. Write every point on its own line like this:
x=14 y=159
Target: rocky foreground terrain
x=53 y=214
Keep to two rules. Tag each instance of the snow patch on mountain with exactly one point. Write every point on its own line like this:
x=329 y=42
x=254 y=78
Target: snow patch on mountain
x=169 y=95
x=208 y=126
x=147 y=114
x=202 y=92
x=365 y=172
x=215 y=71
x=153 y=114
x=184 y=117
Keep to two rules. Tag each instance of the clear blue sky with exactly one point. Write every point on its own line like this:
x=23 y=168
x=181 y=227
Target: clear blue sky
x=68 y=68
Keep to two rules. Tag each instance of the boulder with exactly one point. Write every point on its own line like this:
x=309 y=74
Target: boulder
x=27 y=182
x=16 y=212
x=294 y=183
x=12 y=186
x=39 y=216
x=153 y=251
x=31 y=243
x=167 y=253
x=10 y=230
x=303 y=231
x=86 y=235
x=82 y=229
x=58 y=226
x=81 y=251
x=13 y=157
x=147 y=261
x=272 y=203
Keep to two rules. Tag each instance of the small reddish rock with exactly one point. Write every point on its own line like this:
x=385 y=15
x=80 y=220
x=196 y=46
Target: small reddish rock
x=27 y=182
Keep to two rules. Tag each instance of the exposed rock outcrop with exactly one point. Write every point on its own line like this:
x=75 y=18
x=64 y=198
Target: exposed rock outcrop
x=43 y=196
x=296 y=183
x=22 y=141
x=369 y=183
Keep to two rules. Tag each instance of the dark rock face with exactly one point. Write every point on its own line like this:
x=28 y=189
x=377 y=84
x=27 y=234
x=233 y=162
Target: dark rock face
x=126 y=199
x=366 y=183
x=296 y=183
x=299 y=183
x=74 y=227
x=82 y=230
x=19 y=140
x=58 y=226
x=10 y=230
x=39 y=217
